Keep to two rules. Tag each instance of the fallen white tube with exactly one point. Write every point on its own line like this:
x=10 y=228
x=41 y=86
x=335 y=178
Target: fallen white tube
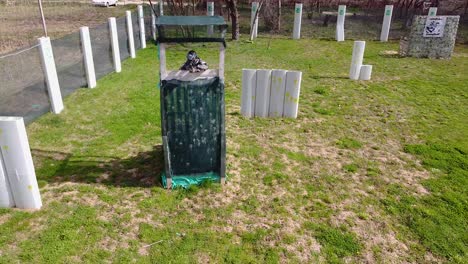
x=6 y=198
x=387 y=21
x=297 y=21
x=291 y=96
x=262 y=93
x=18 y=163
x=249 y=81
x=356 y=62
x=278 y=86
x=340 y=35
x=365 y=73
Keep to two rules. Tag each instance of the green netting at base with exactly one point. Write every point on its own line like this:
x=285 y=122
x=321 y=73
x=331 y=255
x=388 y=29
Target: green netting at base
x=184 y=181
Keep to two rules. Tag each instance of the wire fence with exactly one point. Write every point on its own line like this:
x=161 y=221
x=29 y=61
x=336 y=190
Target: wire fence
x=23 y=89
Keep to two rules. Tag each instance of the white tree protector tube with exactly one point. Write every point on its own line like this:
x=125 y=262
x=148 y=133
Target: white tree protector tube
x=278 y=86
x=340 y=35
x=249 y=81
x=252 y=16
x=210 y=12
x=387 y=21
x=297 y=21
x=358 y=57
x=6 y=197
x=432 y=11
x=365 y=73
x=18 y=163
x=291 y=96
x=262 y=93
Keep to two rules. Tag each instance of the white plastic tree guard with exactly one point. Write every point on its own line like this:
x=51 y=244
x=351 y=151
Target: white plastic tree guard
x=210 y=12
x=131 y=39
x=88 y=57
x=365 y=72
x=161 y=8
x=297 y=21
x=115 y=44
x=254 y=24
x=387 y=20
x=291 y=95
x=432 y=11
x=358 y=57
x=6 y=197
x=153 y=22
x=141 y=21
x=340 y=34
x=270 y=93
x=50 y=72
x=249 y=82
x=278 y=87
x=18 y=163
x=262 y=93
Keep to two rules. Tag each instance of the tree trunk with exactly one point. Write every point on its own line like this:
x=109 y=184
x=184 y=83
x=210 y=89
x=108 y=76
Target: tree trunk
x=279 y=15
x=234 y=14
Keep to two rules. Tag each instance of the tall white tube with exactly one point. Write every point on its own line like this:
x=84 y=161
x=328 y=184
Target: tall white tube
x=278 y=86
x=6 y=197
x=291 y=95
x=131 y=40
x=153 y=22
x=358 y=57
x=88 y=57
x=297 y=21
x=141 y=21
x=432 y=11
x=50 y=73
x=249 y=81
x=387 y=20
x=262 y=93
x=340 y=35
x=365 y=72
x=115 y=43
x=210 y=12
x=161 y=8
x=252 y=16
x=18 y=163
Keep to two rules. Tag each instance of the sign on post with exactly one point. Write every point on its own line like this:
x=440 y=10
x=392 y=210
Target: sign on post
x=435 y=27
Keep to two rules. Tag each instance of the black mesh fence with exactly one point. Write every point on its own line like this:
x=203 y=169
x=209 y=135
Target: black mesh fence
x=122 y=33
x=69 y=62
x=102 y=50
x=136 y=30
x=23 y=91
x=148 y=22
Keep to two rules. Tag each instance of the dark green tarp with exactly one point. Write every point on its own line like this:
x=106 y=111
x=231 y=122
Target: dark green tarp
x=193 y=122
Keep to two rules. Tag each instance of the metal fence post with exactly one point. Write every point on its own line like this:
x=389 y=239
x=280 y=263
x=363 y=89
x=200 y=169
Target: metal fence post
x=131 y=40
x=88 y=57
x=153 y=22
x=50 y=72
x=210 y=12
x=18 y=163
x=141 y=20
x=115 y=44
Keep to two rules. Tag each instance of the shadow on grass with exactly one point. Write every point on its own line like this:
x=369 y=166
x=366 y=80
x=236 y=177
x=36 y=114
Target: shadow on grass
x=142 y=170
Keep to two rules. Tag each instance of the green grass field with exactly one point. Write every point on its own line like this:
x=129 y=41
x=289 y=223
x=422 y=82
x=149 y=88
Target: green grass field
x=370 y=171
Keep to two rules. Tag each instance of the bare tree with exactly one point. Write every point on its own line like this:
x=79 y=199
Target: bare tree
x=234 y=14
